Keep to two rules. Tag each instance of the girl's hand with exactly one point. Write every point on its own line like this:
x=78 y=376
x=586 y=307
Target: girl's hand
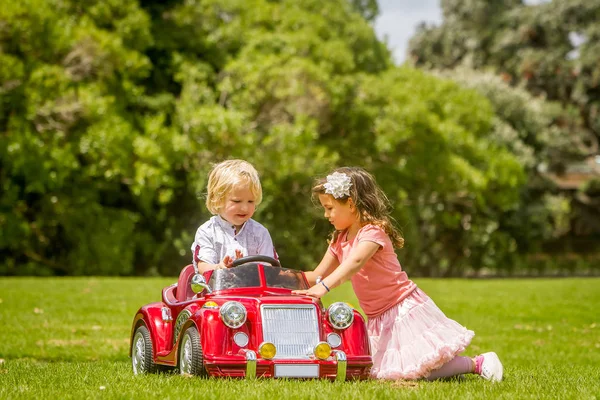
x=316 y=291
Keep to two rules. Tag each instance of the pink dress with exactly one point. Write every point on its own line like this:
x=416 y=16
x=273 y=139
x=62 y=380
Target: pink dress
x=409 y=335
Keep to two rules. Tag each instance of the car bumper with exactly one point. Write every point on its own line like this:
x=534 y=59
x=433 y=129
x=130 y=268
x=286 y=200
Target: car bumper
x=337 y=367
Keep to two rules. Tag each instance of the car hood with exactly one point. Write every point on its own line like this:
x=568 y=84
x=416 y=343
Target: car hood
x=254 y=302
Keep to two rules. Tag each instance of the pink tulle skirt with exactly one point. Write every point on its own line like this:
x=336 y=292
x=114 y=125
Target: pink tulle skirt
x=413 y=338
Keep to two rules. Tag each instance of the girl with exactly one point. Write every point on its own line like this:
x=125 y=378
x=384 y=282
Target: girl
x=410 y=336
x=234 y=191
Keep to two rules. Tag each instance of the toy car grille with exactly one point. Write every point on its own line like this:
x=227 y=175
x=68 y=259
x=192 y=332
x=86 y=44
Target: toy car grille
x=293 y=329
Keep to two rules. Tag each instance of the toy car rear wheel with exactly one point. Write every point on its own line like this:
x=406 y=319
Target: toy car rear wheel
x=190 y=354
x=142 y=354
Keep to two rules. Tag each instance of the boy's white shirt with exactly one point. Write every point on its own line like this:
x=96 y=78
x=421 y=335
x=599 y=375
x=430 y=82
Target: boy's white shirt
x=216 y=238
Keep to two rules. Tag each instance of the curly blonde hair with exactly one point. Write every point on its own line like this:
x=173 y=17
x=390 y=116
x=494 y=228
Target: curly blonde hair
x=227 y=175
x=371 y=202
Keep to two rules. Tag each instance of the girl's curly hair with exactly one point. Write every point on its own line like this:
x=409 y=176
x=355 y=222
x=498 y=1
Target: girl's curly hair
x=371 y=202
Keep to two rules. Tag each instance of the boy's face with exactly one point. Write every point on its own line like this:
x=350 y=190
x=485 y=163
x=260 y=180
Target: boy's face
x=239 y=206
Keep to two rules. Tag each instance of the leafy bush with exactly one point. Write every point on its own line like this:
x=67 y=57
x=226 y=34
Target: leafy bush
x=112 y=114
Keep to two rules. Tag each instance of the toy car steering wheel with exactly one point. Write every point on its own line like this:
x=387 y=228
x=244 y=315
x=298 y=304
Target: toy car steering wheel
x=248 y=259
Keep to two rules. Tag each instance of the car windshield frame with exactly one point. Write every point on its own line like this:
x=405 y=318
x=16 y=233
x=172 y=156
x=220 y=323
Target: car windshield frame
x=284 y=278
x=253 y=275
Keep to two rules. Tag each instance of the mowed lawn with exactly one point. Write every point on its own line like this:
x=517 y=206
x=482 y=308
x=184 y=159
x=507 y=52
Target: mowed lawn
x=69 y=338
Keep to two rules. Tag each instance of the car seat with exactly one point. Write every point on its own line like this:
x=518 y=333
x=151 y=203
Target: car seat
x=184 y=290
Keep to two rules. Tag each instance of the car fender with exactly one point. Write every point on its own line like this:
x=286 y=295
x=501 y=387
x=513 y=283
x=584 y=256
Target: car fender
x=215 y=337
x=213 y=333
x=355 y=337
x=189 y=316
x=161 y=331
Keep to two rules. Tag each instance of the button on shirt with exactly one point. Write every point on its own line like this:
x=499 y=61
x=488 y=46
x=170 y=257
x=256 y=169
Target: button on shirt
x=217 y=238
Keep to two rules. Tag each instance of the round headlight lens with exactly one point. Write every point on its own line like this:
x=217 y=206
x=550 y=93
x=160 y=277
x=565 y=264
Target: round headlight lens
x=334 y=340
x=241 y=339
x=322 y=350
x=267 y=350
x=233 y=314
x=341 y=315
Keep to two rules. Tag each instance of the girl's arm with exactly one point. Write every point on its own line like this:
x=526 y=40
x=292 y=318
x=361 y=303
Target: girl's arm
x=327 y=264
x=355 y=261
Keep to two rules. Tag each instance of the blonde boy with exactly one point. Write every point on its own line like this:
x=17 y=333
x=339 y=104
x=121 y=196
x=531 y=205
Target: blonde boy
x=234 y=191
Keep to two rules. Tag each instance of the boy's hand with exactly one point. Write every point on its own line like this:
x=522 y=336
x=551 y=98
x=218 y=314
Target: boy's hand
x=228 y=260
x=238 y=254
x=226 y=263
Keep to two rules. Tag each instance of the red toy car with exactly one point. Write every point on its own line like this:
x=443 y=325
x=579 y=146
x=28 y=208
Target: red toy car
x=246 y=323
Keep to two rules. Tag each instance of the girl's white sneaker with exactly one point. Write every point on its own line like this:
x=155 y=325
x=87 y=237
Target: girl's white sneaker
x=491 y=367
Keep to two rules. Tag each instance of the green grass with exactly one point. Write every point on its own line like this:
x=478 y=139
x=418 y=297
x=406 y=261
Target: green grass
x=69 y=338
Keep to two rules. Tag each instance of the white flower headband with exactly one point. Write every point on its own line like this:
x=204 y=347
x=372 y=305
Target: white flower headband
x=338 y=185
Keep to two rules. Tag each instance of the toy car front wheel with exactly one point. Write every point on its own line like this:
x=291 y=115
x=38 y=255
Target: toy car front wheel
x=142 y=357
x=190 y=354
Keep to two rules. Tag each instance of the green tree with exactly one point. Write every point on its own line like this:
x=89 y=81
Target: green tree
x=550 y=50
x=429 y=143
x=80 y=173
x=112 y=114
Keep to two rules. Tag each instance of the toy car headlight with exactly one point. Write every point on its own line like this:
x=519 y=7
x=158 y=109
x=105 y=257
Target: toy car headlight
x=267 y=350
x=233 y=314
x=322 y=350
x=341 y=315
x=334 y=340
x=241 y=339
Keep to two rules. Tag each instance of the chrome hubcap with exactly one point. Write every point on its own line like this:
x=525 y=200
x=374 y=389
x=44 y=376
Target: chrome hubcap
x=139 y=352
